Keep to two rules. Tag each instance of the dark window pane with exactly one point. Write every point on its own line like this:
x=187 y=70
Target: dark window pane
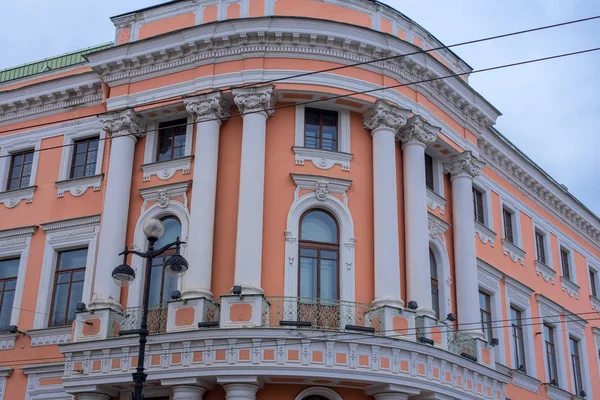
x=318 y=226
x=327 y=144
x=329 y=132
x=18 y=160
x=331 y=255
x=328 y=282
x=508 y=226
x=320 y=130
x=9 y=268
x=6 y=309
x=309 y=253
x=78 y=172
x=29 y=157
x=311 y=143
x=312 y=130
x=76 y=296
x=72 y=259
x=429 y=171
x=308 y=277
x=59 y=309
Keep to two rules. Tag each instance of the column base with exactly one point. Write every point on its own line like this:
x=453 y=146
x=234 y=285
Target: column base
x=388 y=301
x=196 y=293
x=426 y=311
x=248 y=288
x=187 y=392
x=100 y=304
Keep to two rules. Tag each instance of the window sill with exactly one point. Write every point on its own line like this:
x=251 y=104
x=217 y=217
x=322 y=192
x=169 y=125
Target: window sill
x=165 y=170
x=322 y=159
x=78 y=186
x=434 y=201
x=515 y=252
x=485 y=233
x=7 y=340
x=595 y=303
x=571 y=288
x=547 y=273
x=50 y=336
x=556 y=393
x=11 y=198
x=525 y=381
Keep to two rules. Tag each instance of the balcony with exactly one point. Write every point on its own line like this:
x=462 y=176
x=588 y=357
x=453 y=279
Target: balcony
x=276 y=338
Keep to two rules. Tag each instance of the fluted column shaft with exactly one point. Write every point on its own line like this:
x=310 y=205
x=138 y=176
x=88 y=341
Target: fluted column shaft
x=124 y=129
x=256 y=104
x=187 y=392
x=384 y=120
x=208 y=111
x=415 y=136
x=463 y=168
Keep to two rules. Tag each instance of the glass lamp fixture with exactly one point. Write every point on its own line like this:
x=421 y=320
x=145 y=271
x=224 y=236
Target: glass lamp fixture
x=154 y=229
x=176 y=265
x=123 y=275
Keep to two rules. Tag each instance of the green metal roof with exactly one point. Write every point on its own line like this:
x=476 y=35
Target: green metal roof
x=47 y=64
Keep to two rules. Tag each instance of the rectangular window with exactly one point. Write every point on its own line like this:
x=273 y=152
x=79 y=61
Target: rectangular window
x=68 y=286
x=518 y=342
x=593 y=283
x=435 y=289
x=478 y=205
x=429 y=171
x=508 y=225
x=564 y=262
x=85 y=153
x=550 y=354
x=540 y=247
x=320 y=129
x=171 y=139
x=576 y=365
x=485 y=311
x=8 y=284
x=19 y=173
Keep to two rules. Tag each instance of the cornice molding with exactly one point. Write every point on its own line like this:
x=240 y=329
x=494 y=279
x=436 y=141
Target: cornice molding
x=322 y=185
x=485 y=234
x=50 y=336
x=504 y=161
x=164 y=193
x=71 y=223
x=24 y=231
x=437 y=227
x=517 y=292
x=575 y=324
x=549 y=310
x=51 y=96
x=525 y=381
x=332 y=40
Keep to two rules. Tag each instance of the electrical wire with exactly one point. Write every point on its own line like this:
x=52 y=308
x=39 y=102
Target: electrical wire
x=519 y=63
x=420 y=51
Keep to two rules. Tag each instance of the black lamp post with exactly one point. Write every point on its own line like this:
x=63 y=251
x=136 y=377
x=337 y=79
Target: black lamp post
x=123 y=275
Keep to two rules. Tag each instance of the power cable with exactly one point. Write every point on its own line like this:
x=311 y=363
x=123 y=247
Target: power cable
x=519 y=63
x=421 y=51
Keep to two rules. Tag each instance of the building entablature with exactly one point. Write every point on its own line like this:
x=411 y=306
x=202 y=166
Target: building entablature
x=280 y=37
x=277 y=353
x=510 y=163
x=50 y=97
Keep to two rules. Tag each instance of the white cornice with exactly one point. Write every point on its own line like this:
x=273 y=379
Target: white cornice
x=49 y=96
x=510 y=163
x=24 y=231
x=195 y=46
x=310 y=182
x=71 y=223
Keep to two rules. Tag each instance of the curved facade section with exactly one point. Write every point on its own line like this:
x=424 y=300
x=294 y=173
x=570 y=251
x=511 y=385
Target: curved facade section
x=344 y=203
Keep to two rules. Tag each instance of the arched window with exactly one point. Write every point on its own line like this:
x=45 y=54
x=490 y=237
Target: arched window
x=435 y=291
x=319 y=256
x=161 y=284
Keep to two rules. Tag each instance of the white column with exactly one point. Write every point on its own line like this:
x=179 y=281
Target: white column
x=187 y=392
x=257 y=105
x=124 y=128
x=415 y=136
x=463 y=168
x=208 y=111
x=240 y=391
x=92 y=396
x=384 y=120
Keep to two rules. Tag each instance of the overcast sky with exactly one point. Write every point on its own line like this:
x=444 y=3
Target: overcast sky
x=551 y=109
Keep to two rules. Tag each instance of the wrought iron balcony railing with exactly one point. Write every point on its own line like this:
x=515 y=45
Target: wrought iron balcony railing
x=130 y=320
x=322 y=314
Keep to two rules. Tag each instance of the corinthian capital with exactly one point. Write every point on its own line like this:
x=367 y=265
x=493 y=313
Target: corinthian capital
x=418 y=131
x=383 y=114
x=123 y=123
x=207 y=106
x=255 y=99
x=464 y=164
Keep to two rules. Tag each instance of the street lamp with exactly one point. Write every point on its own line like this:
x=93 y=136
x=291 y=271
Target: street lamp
x=123 y=275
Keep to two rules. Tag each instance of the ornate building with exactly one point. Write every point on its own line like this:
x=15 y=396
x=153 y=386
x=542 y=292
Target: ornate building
x=388 y=244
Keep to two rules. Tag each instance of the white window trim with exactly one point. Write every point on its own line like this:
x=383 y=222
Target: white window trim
x=11 y=198
x=594 y=299
x=165 y=170
x=318 y=391
x=326 y=200
x=518 y=296
x=596 y=332
x=547 y=270
x=485 y=231
x=4 y=374
x=78 y=186
x=549 y=313
x=576 y=329
x=165 y=205
x=435 y=197
x=569 y=286
x=489 y=282
x=16 y=243
x=515 y=249
x=437 y=243
x=324 y=159
x=61 y=236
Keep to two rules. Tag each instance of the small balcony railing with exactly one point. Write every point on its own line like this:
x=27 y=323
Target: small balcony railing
x=322 y=314
x=129 y=321
x=462 y=344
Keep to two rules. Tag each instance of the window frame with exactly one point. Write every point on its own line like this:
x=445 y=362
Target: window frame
x=483 y=312
x=489 y=282
x=309 y=244
x=547 y=256
x=518 y=296
x=593 y=277
x=507 y=219
x=152 y=138
x=18 y=144
x=479 y=217
x=70 y=284
x=575 y=363
x=67 y=156
x=435 y=285
x=515 y=222
x=3 y=282
x=437 y=175
x=550 y=368
x=319 y=138
x=517 y=334
x=87 y=140
x=61 y=236
x=570 y=260
x=184 y=132
x=549 y=314
x=11 y=167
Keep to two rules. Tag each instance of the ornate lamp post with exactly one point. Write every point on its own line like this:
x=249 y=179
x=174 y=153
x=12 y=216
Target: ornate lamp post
x=124 y=275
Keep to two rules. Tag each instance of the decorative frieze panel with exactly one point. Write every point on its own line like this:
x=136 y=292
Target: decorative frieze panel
x=78 y=186
x=525 y=381
x=50 y=336
x=164 y=194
